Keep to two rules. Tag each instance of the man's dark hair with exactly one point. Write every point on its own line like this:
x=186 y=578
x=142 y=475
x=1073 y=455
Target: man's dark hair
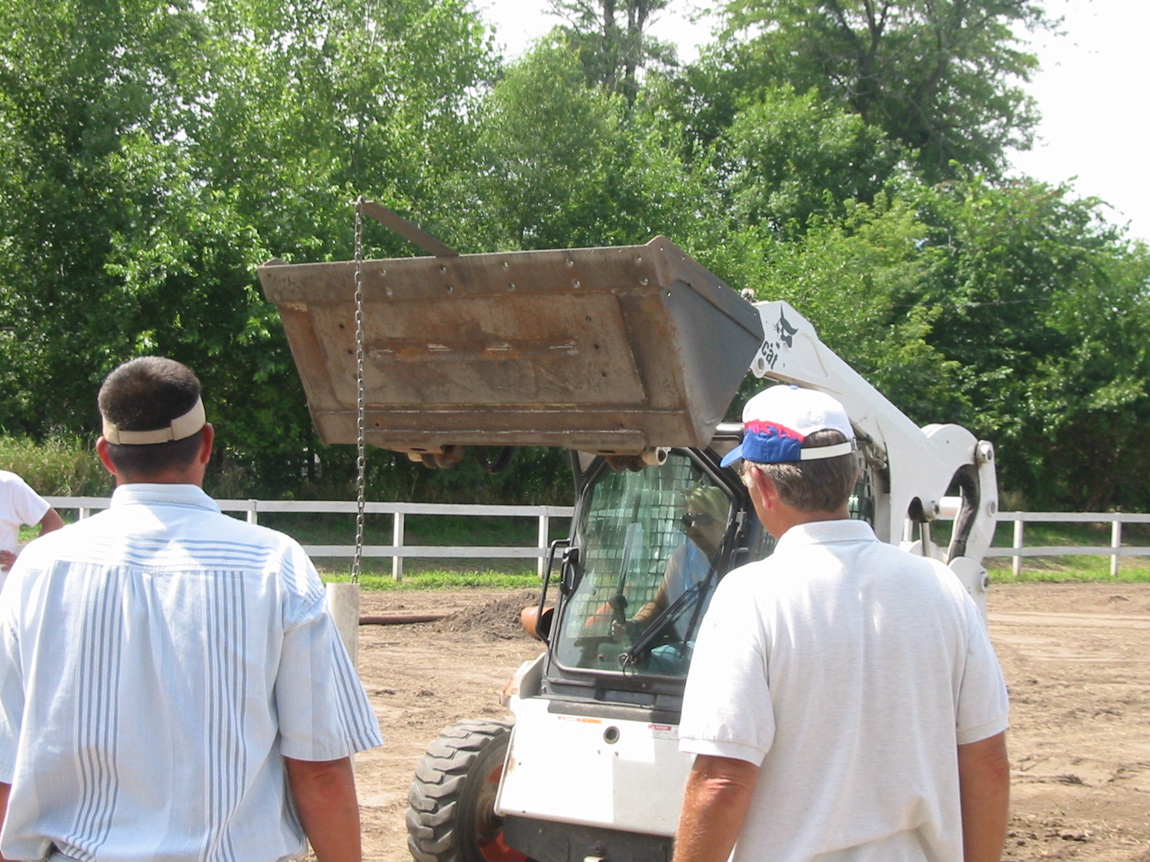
x=145 y=394
x=820 y=485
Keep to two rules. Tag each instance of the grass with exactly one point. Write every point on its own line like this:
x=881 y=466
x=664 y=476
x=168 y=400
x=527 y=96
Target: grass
x=375 y=572
x=333 y=529
x=419 y=574
x=1069 y=568
x=432 y=578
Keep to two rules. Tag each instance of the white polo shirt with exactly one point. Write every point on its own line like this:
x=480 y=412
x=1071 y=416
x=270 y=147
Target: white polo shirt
x=157 y=662
x=19 y=505
x=849 y=671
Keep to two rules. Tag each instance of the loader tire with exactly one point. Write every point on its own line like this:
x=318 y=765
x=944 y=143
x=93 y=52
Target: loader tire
x=451 y=804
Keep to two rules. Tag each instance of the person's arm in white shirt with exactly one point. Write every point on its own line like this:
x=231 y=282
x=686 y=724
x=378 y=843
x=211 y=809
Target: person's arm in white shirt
x=5 y=789
x=324 y=794
x=715 y=804
x=51 y=521
x=984 y=787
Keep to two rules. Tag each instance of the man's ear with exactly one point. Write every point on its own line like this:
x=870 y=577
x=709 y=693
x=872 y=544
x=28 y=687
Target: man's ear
x=766 y=487
x=105 y=458
x=207 y=437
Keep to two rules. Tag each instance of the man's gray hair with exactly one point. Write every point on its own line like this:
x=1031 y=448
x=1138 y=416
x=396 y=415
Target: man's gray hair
x=816 y=486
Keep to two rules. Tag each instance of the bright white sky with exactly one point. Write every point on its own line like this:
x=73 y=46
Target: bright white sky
x=1089 y=92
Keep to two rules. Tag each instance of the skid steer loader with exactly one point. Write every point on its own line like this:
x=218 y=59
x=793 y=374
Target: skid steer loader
x=629 y=357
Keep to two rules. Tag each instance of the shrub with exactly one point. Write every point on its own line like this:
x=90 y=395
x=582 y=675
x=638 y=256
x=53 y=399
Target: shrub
x=65 y=467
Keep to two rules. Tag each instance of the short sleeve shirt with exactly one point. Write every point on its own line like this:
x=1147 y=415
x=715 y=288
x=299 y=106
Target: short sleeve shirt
x=157 y=663
x=19 y=505
x=849 y=671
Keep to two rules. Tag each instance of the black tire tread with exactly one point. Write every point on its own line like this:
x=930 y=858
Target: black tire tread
x=439 y=778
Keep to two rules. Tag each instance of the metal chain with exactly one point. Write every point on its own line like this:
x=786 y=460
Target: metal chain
x=360 y=401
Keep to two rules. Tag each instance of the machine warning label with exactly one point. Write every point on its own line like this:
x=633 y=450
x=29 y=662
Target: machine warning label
x=663 y=731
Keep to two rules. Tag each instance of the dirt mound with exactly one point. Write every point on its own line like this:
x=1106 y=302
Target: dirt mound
x=498 y=618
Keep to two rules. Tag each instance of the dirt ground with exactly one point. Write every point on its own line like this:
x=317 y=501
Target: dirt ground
x=1076 y=659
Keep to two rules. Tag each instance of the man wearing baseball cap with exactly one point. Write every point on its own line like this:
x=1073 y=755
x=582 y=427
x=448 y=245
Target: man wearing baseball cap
x=171 y=686
x=844 y=702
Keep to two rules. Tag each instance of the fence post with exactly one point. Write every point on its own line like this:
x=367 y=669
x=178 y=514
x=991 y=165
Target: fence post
x=544 y=541
x=397 y=540
x=1115 y=542
x=1016 y=563
x=253 y=518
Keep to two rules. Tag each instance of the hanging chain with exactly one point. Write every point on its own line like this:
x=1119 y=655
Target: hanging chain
x=360 y=401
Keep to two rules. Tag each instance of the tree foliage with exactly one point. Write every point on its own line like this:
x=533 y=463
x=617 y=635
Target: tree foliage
x=793 y=156
x=942 y=77
x=612 y=41
x=1013 y=310
x=563 y=163
x=153 y=154
x=845 y=155
x=1044 y=307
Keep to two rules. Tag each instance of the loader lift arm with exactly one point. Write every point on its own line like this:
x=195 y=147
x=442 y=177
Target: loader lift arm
x=920 y=463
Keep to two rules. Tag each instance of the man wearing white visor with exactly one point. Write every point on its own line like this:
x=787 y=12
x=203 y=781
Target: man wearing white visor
x=171 y=686
x=844 y=702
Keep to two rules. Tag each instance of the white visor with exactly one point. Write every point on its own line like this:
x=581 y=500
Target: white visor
x=181 y=427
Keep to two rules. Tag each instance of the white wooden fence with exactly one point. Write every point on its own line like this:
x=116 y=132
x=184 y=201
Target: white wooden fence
x=398 y=549
x=1114 y=550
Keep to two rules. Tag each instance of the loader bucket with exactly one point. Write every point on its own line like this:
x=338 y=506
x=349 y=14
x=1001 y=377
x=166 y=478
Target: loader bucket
x=604 y=350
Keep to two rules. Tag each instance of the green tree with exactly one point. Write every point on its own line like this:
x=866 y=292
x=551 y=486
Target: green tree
x=944 y=79
x=152 y=154
x=612 y=41
x=76 y=80
x=563 y=163
x=1044 y=308
x=313 y=105
x=1014 y=310
x=849 y=276
x=791 y=156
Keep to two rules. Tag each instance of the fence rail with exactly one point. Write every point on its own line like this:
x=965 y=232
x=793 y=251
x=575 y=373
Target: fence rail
x=1114 y=550
x=398 y=550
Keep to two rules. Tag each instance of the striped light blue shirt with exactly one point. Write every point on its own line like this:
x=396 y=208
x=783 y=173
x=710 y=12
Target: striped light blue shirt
x=157 y=662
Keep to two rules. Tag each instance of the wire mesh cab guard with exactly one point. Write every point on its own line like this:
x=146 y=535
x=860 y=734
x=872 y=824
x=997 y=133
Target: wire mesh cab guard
x=603 y=350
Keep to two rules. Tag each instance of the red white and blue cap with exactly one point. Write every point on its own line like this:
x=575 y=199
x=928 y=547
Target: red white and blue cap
x=779 y=419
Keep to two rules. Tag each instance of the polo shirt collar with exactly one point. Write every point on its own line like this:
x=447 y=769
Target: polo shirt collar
x=144 y=493
x=823 y=532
